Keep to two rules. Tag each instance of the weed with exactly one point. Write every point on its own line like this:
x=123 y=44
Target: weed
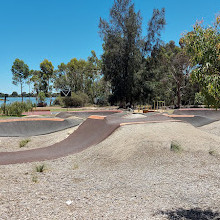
x=175 y=147
x=40 y=168
x=34 y=179
x=24 y=142
x=212 y=153
x=75 y=166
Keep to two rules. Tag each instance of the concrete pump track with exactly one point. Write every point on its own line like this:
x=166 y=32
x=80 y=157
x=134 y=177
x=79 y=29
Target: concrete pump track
x=92 y=131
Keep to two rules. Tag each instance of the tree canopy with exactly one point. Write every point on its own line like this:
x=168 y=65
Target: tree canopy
x=203 y=46
x=20 y=72
x=125 y=47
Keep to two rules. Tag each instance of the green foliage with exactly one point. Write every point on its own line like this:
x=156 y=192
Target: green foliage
x=41 y=96
x=24 y=142
x=57 y=101
x=16 y=108
x=81 y=76
x=124 y=48
x=14 y=94
x=175 y=147
x=202 y=45
x=34 y=179
x=20 y=72
x=40 y=168
x=73 y=101
x=76 y=100
x=199 y=99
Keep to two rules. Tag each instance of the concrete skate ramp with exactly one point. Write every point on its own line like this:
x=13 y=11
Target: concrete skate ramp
x=90 y=132
x=33 y=127
x=86 y=114
x=201 y=116
x=208 y=113
x=196 y=121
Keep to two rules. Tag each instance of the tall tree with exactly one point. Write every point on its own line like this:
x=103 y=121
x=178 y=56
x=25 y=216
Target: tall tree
x=20 y=72
x=46 y=75
x=176 y=63
x=124 y=47
x=203 y=47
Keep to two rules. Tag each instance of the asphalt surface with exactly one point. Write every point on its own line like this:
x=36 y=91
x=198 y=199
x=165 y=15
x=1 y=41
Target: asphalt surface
x=24 y=128
x=91 y=131
x=86 y=114
x=201 y=116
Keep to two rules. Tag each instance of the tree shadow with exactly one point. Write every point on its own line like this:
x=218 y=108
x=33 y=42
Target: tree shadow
x=191 y=214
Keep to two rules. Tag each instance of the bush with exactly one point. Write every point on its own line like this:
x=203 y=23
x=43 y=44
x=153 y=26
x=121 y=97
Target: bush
x=84 y=97
x=16 y=108
x=40 y=168
x=175 y=147
x=57 y=101
x=24 y=142
x=73 y=101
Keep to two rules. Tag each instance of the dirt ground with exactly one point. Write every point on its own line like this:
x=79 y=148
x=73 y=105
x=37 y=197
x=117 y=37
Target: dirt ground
x=133 y=174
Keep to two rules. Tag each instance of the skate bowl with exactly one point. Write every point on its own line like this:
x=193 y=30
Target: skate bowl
x=35 y=126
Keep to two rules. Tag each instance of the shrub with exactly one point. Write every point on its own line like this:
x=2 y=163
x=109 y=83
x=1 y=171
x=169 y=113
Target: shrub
x=57 y=101
x=84 y=97
x=40 y=168
x=24 y=142
x=16 y=108
x=175 y=147
x=73 y=101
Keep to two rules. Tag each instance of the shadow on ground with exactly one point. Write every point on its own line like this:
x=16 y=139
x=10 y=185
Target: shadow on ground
x=191 y=214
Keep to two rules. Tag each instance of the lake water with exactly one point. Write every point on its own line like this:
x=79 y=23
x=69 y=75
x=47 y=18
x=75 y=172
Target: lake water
x=18 y=99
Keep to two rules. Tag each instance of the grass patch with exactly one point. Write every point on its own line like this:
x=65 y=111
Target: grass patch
x=175 y=147
x=40 y=168
x=24 y=142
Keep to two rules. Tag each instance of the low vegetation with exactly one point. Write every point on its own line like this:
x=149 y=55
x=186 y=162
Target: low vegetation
x=24 y=142
x=40 y=168
x=16 y=108
x=175 y=147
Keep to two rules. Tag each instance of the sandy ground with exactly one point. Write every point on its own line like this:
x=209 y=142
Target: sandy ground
x=8 y=144
x=133 y=174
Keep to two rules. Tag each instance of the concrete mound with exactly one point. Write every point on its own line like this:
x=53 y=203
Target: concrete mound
x=90 y=132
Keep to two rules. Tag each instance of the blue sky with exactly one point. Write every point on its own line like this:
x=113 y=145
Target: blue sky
x=34 y=30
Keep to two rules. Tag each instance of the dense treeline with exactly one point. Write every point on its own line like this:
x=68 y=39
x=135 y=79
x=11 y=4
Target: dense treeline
x=135 y=69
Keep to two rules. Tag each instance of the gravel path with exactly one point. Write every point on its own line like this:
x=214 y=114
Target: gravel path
x=130 y=175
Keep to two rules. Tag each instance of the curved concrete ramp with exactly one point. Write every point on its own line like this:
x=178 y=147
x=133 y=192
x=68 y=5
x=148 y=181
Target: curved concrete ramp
x=90 y=132
x=86 y=114
x=197 y=116
x=208 y=113
x=34 y=126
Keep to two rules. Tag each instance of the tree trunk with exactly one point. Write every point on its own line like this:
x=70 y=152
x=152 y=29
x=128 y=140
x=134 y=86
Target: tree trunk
x=21 y=93
x=178 y=95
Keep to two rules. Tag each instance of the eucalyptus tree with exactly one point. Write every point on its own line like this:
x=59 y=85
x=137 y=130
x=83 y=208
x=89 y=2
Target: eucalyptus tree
x=125 y=47
x=20 y=72
x=46 y=75
x=203 y=47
